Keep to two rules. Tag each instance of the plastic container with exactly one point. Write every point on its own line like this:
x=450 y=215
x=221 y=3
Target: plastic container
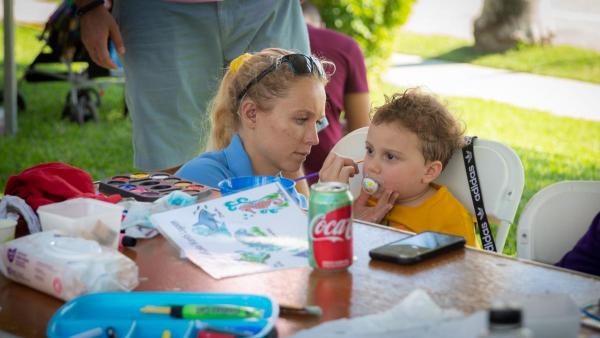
x=7 y=229
x=551 y=315
x=121 y=312
x=236 y=184
x=84 y=217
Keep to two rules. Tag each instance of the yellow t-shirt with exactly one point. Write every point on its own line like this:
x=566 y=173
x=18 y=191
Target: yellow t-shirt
x=442 y=212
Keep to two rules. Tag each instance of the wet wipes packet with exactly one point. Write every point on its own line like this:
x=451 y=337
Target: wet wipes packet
x=66 y=267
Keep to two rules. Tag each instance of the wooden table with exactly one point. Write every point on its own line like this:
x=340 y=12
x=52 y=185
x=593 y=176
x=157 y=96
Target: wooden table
x=466 y=279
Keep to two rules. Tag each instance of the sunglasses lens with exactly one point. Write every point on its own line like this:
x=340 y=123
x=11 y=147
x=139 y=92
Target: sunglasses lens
x=300 y=63
x=303 y=64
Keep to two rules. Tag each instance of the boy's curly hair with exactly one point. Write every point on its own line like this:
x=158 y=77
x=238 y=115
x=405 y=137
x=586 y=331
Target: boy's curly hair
x=439 y=132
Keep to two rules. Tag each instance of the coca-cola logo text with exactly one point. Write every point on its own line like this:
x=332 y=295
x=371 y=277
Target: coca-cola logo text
x=333 y=230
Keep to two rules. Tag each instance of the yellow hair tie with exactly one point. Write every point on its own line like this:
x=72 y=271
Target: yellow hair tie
x=235 y=65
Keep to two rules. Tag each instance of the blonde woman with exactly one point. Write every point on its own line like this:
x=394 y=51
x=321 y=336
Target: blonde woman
x=265 y=117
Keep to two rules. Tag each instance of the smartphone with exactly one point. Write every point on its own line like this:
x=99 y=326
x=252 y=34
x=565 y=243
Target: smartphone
x=415 y=248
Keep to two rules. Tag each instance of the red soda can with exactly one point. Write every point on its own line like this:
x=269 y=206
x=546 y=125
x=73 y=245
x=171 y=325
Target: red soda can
x=330 y=226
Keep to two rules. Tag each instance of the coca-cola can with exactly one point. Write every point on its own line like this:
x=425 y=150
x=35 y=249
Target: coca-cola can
x=330 y=226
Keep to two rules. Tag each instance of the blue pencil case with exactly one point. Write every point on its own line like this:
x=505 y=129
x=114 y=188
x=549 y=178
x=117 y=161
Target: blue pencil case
x=96 y=315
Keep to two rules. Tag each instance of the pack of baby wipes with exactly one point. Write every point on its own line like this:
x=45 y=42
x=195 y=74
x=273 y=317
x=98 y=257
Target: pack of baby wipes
x=66 y=267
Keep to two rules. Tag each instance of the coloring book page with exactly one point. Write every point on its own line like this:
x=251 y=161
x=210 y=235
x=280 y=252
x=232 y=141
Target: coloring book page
x=255 y=230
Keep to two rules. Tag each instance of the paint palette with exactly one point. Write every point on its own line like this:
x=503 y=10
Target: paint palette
x=148 y=187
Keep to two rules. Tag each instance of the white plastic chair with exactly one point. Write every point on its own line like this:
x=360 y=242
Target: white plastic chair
x=500 y=172
x=352 y=145
x=555 y=218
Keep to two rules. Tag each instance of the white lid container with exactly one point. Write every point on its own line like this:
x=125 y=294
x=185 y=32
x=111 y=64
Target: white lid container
x=7 y=229
x=552 y=315
x=84 y=217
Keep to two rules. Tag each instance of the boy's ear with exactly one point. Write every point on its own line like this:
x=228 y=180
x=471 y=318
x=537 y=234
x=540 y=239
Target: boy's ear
x=248 y=113
x=433 y=170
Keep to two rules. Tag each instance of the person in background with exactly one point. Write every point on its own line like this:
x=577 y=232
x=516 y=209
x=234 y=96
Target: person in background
x=347 y=90
x=410 y=140
x=585 y=256
x=174 y=53
x=264 y=117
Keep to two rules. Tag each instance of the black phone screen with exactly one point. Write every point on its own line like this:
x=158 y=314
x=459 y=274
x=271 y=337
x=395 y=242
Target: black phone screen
x=417 y=247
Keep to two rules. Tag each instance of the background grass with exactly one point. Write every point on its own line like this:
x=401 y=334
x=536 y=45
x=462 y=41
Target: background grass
x=552 y=148
x=561 y=61
x=102 y=148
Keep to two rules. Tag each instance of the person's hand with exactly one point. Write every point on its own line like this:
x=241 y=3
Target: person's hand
x=96 y=27
x=338 y=169
x=375 y=213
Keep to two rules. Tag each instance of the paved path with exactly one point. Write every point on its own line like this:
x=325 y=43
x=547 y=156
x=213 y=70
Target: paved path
x=574 y=22
x=558 y=96
x=31 y=11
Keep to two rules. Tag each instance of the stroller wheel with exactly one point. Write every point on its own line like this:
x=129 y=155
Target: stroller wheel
x=85 y=108
x=94 y=96
x=20 y=101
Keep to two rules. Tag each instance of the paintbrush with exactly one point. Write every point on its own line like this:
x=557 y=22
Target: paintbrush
x=309 y=310
x=316 y=173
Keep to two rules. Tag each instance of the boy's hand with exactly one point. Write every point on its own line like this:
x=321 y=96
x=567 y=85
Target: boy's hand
x=338 y=169
x=375 y=213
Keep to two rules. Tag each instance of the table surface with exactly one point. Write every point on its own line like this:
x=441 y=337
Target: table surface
x=465 y=279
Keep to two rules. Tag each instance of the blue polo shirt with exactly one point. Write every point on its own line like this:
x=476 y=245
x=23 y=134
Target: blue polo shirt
x=212 y=167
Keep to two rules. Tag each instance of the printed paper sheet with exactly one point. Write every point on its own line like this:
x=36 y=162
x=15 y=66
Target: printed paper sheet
x=256 y=230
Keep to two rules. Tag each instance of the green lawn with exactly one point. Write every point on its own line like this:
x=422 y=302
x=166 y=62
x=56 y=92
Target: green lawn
x=562 y=61
x=552 y=148
x=102 y=149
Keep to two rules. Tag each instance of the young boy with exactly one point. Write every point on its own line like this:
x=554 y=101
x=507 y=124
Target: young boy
x=410 y=140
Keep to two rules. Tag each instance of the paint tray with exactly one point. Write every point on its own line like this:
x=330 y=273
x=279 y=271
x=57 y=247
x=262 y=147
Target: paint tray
x=121 y=312
x=148 y=187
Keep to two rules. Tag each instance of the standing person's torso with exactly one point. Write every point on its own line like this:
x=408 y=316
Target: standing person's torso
x=349 y=77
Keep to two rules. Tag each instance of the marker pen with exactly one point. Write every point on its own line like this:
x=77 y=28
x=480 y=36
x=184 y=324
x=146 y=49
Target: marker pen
x=213 y=311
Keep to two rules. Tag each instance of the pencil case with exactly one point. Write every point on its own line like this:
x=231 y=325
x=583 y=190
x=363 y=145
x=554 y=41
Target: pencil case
x=95 y=315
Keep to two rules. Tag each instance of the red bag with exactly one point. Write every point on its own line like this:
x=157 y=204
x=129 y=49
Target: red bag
x=53 y=182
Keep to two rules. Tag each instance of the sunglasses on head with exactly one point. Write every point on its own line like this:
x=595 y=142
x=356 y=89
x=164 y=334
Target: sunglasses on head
x=298 y=63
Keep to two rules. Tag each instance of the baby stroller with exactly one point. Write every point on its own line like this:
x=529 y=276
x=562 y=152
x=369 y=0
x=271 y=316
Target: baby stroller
x=63 y=45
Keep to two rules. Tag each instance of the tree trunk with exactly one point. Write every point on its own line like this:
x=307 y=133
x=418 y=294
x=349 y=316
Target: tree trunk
x=504 y=23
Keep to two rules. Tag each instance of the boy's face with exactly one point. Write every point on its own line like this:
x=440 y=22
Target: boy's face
x=394 y=159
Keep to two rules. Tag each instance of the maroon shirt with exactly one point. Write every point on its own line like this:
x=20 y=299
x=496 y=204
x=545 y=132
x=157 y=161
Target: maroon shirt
x=350 y=77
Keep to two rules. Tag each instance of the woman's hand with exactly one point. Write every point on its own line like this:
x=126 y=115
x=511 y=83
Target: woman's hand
x=338 y=169
x=375 y=213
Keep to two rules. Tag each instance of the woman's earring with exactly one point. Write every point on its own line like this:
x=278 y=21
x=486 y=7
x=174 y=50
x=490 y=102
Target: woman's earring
x=252 y=115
